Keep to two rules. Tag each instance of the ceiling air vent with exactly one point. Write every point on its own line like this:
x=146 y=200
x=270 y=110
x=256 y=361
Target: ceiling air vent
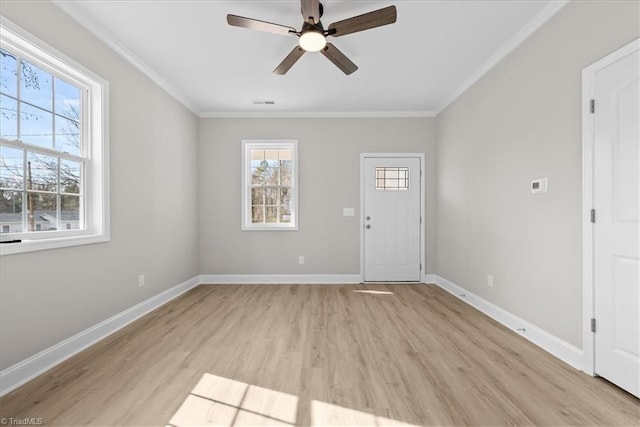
x=263 y=102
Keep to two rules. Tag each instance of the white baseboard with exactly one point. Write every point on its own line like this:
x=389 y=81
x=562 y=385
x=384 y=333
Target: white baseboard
x=429 y=278
x=252 y=279
x=543 y=339
x=18 y=374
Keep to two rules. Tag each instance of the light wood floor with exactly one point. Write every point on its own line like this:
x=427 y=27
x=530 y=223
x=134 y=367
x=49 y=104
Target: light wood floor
x=318 y=355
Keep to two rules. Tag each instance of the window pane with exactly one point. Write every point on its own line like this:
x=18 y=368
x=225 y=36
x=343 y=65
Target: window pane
x=272 y=176
x=285 y=154
x=259 y=175
x=67 y=100
x=36 y=86
x=8 y=118
x=11 y=168
x=257 y=156
x=285 y=214
x=70 y=176
x=257 y=196
x=271 y=214
x=36 y=126
x=286 y=172
x=271 y=196
x=11 y=211
x=257 y=214
x=285 y=196
x=271 y=157
x=8 y=73
x=42 y=212
x=70 y=212
x=42 y=172
x=67 y=136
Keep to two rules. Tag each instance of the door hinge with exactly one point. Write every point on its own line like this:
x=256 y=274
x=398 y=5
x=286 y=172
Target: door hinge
x=593 y=325
x=593 y=216
x=420 y=266
x=592 y=106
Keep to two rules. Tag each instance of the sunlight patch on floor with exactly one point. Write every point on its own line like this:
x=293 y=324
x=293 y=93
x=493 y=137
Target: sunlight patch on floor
x=219 y=401
x=326 y=414
x=369 y=291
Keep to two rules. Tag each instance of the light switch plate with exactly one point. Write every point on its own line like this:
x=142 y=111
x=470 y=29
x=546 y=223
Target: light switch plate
x=348 y=212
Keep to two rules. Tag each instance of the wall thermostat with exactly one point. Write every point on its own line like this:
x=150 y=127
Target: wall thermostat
x=539 y=185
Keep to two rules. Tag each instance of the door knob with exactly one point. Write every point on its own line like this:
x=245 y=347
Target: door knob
x=368 y=218
x=368 y=226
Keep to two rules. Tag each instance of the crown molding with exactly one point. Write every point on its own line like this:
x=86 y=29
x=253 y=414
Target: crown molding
x=315 y=114
x=525 y=32
x=106 y=37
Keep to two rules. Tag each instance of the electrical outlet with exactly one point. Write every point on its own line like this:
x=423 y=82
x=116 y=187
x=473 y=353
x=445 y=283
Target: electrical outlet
x=300 y=260
x=490 y=281
x=141 y=280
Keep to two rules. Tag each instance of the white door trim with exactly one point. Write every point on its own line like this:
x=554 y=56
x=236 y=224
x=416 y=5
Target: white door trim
x=588 y=145
x=423 y=198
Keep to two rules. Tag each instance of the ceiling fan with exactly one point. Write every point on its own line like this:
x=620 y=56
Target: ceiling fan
x=313 y=36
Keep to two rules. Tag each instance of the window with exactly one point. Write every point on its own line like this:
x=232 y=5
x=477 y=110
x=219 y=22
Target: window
x=269 y=185
x=392 y=178
x=53 y=147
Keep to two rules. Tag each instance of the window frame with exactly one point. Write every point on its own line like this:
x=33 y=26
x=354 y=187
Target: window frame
x=267 y=144
x=94 y=150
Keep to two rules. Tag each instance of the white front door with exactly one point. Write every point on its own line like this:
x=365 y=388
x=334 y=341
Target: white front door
x=391 y=215
x=616 y=231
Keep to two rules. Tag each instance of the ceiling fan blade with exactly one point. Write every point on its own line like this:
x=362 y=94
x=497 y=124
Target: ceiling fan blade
x=311 y=9
x=254 y=24
x=288 y=62
x=377 y=18
x=339 y=59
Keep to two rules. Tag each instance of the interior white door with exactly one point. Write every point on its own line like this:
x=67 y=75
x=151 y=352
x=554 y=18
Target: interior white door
x=616 y=229
x=392 y=219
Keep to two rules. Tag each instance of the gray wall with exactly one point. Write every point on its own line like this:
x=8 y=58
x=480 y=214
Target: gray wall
x=48 y=296
x=329 y=177
x=523 y=121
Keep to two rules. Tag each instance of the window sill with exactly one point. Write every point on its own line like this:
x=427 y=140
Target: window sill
x=56 y=243
x=269 y=228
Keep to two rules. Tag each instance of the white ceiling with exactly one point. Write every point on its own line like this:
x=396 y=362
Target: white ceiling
x=416 y=66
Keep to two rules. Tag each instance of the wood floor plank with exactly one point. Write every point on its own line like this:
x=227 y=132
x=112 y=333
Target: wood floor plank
x=407 y=355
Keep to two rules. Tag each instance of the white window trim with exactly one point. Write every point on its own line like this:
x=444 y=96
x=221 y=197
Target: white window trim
x=16 y=39
x=246 y=224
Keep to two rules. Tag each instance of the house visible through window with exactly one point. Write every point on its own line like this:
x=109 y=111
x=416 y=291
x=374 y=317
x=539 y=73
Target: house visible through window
x=269 y=185
x=52 y=145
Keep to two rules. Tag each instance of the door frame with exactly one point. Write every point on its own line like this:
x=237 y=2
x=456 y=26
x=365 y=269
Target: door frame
x=588 y=183
x=423 y=198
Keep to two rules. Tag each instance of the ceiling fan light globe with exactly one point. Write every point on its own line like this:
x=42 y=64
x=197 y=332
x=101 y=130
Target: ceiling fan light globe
x=312 y=41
